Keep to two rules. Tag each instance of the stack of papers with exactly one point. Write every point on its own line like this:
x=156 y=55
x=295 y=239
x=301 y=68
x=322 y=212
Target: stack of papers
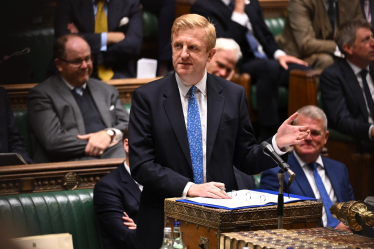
x=244 y=199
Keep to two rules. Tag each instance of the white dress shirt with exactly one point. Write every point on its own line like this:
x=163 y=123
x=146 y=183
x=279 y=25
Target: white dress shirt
x=369 y=80
x=243 y=20
x=202 y=100
x=325 y=179
x=128 y=170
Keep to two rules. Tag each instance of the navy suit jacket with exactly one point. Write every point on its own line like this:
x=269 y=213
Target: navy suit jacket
x=160 y=157
x=10 y=139
x=114 y=194
x=220 y=16
x=119 y=56
x=343 y=100
x=336 y=171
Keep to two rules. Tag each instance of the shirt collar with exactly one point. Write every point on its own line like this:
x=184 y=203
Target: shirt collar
x=357 y=69
x=184 y=87
x=127 y=167
x=302 y=163
x=70 y=86
x=226 y=2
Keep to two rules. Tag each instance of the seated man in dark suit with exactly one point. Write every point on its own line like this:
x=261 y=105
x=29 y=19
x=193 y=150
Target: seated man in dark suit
x=367 y=7
x=347 y=86
x=112 y=28
x=73 y=116
x=10 y=139
x=317 y=177
x=116 y=203
x=268 y=66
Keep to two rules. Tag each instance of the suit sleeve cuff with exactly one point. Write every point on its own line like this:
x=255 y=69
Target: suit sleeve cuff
x=277 y=150
x=185 y=190
x=278 y=53
x=242 y=19
x=104 y=39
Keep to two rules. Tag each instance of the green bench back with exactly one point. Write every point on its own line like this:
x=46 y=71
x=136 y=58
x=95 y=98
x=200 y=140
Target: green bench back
x=69 y=211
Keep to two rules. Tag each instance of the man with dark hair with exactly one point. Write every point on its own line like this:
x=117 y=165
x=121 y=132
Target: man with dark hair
x=10 y=139
x=189 y=129
x=116 y=203
x=347 y=86
x=112 y=28
x=268 y=66
x=75 y=117
x=317 y=177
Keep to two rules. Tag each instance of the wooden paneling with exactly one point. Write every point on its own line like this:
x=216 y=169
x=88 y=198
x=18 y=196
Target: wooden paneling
x=52 y=176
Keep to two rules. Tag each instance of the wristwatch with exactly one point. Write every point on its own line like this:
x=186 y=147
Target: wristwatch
x=111 y=134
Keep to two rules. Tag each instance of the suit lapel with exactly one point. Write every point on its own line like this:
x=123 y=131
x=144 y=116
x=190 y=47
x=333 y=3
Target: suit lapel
x=215 y=106
x=66 y=94
x=88 y=15
x=174 y=112
x=334 y=181
x=129 y=182
x=300 y=179
x=100 y=102
x=351 y=80
x=114 y=8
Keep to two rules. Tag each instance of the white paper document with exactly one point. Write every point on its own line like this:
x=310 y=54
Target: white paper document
x=243 y=198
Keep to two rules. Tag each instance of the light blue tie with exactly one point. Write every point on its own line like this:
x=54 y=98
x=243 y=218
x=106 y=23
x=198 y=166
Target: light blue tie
x=327 y=203
x=195 y=139
x=79 y=90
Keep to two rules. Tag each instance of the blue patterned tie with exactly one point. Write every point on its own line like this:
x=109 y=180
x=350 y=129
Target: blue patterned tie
x=78 y=90
x=195 y=139
x=327 y=203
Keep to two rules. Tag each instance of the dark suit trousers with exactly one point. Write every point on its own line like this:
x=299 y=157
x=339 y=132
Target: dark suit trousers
x=268 y=75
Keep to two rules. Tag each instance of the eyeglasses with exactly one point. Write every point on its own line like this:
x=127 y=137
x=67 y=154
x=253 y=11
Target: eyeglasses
x=78 y=63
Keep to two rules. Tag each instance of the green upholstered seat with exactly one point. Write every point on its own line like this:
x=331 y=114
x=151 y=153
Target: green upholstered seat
x=24 y=129
x=69 y=211
x=275 y=26
x=150 y=24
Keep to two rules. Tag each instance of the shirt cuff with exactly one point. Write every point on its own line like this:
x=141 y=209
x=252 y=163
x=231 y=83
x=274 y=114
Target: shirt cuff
x=277 y=150
x=185 y=190
x=242 y=19
x=337 y=52
x=278 y=53
x=104 y=39
x=371 y=127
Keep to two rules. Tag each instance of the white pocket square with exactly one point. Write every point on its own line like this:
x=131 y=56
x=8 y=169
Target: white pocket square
x=111 y=108
x=124 y=21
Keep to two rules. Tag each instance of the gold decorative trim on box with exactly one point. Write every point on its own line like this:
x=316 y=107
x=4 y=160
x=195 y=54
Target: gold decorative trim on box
x=230 y=219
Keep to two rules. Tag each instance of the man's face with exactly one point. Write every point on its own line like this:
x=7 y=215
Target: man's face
x=362 y=52
x=77 y=50
x=190 y=54
x=222 y=64
x=311 y=147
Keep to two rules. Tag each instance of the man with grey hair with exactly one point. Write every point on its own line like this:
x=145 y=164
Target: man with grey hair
x=321 y=178
x=223 y=62
x=347 y=86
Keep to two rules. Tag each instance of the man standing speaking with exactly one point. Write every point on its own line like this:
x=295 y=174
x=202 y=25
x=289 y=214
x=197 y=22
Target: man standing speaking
x=187 y=130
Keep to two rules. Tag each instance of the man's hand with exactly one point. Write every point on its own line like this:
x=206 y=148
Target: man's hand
x=239 y=6
x=72 y=28
x=291 y=134
x=114 y=37
x=211 y=189
x=97 y=143
x=284 y=59
x=128 y=222
x=343 y=227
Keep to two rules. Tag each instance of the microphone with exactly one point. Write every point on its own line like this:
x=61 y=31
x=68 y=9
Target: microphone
x=269 y=151
x=24 y=51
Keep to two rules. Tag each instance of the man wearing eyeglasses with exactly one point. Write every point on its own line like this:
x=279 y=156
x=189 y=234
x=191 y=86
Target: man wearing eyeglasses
x=73 y=116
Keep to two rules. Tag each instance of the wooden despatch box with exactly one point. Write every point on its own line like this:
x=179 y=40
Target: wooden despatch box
x=202 y=226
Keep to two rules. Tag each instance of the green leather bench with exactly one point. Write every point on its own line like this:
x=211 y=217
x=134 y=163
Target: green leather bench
x=69 y=211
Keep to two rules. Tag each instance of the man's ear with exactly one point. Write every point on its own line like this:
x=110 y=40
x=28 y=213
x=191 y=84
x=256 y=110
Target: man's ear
x=212 y=52
x=126 y=145
x=58 y=65
x=348 y=49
